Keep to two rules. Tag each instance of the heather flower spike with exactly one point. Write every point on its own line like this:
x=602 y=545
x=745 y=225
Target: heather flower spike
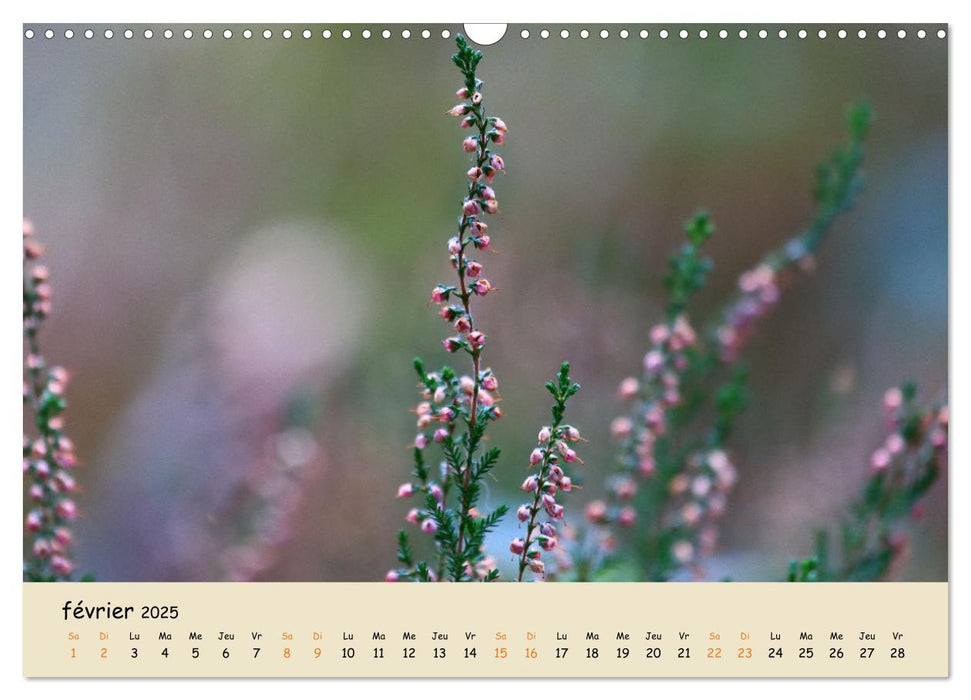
x=49 y=456
x=838 y=181
x=544 y=513
x=674 y=473
x=456 y=409
x=871 y=539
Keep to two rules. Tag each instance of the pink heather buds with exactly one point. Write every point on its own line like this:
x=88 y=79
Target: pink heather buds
x=429 y=526
x=679 y=484
x=621 y=427
x=473 y=268
x=45 y=458
x=517 y=546
x=42 y=468
x=653 y=362
x=414 y=516
x=477 y=98
x=554 y=509
x=64 y=482
x=454 y=245
x=544 y=434
x=499 y=125
x=880 y=459
x=470 y=144
x=66 y=509
x=895 y=444
x=392 y=576
x=629 y=388
x=627 y=516
x=452 y=344
x=471 y=207
x=654 y=419
x=462 y=324
x=468 y=122
x=61 y=565
x=421 y=441
x=406 y=490
x=440 y=294
x=490 y=383
x=477 y=339
x=33 y=249
x=463 y=93
x=491 y=206
x=522 y=514
x=596 y=512
x=474 y=173
x=436 y=492
x=536 y=456
x=893 y=399
x=537 y=566
x=683 y=551
x=646 y=466
x=497 y=163
x=458 y=110
x=701 y=486
x=659 y=333
x=481 y=287
x=692 y=512
x=530 y=485
x=440 y=435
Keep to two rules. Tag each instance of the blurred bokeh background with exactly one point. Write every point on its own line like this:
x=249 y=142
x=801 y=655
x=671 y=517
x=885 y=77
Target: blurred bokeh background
x=243 y=234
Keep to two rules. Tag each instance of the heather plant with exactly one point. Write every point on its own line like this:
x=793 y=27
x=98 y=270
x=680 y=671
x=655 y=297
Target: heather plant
x=673 y=473
x=48 y=453
x=871 y=539
x=261 y=515
x=670 y=482
x=457 y=408
x=550 y=458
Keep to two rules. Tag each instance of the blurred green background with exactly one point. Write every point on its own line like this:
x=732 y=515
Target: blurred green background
x=243 y=235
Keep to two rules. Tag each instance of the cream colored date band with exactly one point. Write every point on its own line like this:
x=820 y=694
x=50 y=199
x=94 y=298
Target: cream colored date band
x=492 y=630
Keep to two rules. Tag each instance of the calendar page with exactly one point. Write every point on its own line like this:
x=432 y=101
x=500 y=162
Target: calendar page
x=485 y=351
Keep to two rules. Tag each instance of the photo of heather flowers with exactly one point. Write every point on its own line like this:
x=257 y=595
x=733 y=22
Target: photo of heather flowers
x=318 y=306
